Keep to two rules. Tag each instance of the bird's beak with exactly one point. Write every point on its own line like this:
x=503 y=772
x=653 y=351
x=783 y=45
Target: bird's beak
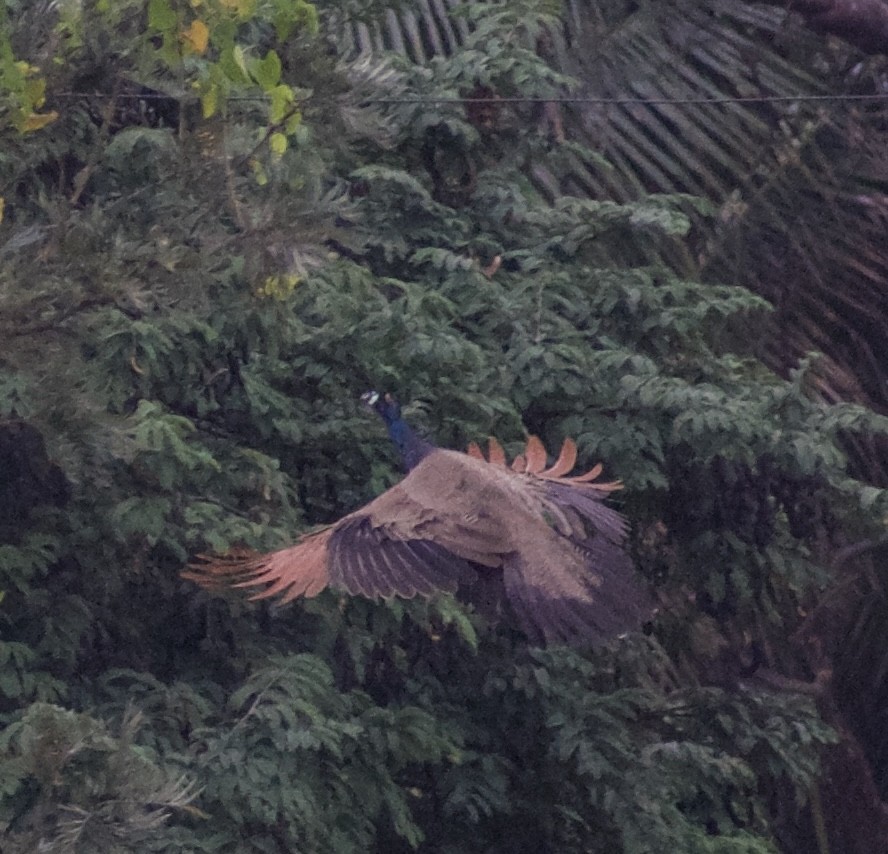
x=369 y=398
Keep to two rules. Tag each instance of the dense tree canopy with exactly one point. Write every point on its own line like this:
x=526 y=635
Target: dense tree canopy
x=221 y=223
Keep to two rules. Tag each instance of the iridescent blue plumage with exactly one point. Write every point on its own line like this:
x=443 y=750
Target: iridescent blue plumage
x=412 y=448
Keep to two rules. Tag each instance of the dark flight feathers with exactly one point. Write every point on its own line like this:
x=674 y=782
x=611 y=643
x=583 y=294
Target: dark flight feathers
x=526 y=541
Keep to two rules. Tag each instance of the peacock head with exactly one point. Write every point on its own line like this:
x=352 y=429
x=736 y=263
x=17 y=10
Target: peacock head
x=412 y=448
x=383 y=404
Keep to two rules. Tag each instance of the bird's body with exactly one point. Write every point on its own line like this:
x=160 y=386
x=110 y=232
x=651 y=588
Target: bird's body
x=542 y=545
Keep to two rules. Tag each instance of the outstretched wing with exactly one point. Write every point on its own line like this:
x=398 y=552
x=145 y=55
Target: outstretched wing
x=556 y=548
x=455 y=520
x=415 y=538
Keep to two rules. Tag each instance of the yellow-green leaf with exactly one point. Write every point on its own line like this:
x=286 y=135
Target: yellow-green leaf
x=278 y=143
x=243 y=8
x=209 y=101
x=292 y=124
x=279 y=287
x=35 y=91
x=281 y=98
x=240 y=60
x=267 y=71
x=36 y=121
x=259 y=172
x=161 y=15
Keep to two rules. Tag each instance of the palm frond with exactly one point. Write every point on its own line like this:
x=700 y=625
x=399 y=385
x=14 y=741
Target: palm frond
x=799 y=185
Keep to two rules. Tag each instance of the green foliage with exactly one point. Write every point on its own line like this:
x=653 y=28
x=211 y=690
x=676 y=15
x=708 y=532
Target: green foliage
x=325 y=752
x=689 y=783
x=70 y=785
x=22 y=89
x=191 y=309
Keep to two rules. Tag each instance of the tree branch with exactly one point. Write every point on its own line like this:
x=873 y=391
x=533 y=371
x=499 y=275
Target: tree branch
x=863 y=23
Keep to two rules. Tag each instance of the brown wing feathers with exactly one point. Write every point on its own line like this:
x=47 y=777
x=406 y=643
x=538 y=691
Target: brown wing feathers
x=300 y=570
x=364 y=560
x=557 y=547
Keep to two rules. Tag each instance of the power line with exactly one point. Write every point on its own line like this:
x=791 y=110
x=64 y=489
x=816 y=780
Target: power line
x=567 y=99
x=749 y=99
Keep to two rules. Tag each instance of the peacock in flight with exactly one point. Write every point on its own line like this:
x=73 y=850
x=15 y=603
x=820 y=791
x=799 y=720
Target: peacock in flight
x=526 y=542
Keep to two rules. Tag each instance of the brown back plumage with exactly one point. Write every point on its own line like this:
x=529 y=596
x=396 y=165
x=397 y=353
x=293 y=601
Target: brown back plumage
x=543 y=541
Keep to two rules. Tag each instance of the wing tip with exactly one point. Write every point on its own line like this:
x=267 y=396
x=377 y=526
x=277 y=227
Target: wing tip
x=297 y=571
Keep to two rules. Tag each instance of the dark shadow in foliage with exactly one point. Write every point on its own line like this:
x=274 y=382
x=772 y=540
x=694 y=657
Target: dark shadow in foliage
x=28 y=478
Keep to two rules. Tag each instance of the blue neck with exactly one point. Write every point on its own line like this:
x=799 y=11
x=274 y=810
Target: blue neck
x=411 y=447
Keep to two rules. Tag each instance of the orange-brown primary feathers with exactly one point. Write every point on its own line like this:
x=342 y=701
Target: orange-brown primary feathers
x=541 y=542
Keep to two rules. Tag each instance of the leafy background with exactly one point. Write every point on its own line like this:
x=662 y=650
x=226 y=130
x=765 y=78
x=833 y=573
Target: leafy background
x=223 y=221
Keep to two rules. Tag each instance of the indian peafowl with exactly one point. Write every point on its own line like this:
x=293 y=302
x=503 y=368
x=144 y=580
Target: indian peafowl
x=526 y=540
